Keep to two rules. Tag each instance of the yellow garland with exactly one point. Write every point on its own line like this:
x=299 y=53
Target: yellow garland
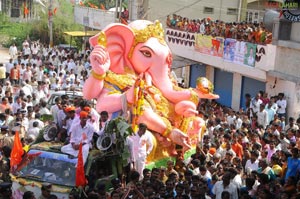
x=97 y=76
x=138 y=102
x=102 y=41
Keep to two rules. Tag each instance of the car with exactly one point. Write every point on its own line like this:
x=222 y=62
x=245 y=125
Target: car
x=54 y=94
x=45 y=163
x=68 y=47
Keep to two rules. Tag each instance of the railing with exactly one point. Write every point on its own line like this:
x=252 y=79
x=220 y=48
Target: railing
x=230 y=50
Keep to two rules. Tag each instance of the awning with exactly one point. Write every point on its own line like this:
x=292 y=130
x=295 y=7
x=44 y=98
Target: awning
x=82 y=33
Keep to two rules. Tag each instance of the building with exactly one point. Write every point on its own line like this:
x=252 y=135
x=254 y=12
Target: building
x=276 y=67
x=224 y=10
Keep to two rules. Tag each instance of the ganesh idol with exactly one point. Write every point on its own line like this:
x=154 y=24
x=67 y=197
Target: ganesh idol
x=131 y=67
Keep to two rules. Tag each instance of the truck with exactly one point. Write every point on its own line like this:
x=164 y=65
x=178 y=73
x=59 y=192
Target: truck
x=45 y=163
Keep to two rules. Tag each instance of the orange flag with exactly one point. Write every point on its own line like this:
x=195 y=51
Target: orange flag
x=17 y=151
x=80 y=176
x=26 y=10
x=55 y=10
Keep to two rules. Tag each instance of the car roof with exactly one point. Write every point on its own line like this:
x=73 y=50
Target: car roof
x=78 y=93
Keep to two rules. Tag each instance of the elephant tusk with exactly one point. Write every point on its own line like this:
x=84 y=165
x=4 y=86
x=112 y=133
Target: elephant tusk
x=148 y=79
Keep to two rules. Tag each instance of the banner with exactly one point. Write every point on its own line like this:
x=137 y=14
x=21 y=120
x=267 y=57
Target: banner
x=239 y=52
x=209 y=45
x=249 y=58
x=229 y=49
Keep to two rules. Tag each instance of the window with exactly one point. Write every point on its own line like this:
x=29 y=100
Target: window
x=231 y=11
x=208 y=10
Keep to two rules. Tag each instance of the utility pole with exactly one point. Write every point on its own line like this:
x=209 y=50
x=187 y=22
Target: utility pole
x=50 y=21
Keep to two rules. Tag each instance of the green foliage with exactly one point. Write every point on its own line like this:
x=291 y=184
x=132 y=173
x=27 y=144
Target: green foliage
x=63 y=20
x=12 y=32
x=107 y=3
x=121 y=129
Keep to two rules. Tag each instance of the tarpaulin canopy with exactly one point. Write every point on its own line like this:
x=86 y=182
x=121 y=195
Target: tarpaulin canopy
x=82 y=33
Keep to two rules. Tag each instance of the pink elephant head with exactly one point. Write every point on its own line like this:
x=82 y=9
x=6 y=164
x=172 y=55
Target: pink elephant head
x=141 y=47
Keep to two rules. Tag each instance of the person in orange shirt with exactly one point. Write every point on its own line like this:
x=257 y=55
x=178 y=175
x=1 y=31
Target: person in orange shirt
x=4 y=105
x=237 y=147
x=15 y=74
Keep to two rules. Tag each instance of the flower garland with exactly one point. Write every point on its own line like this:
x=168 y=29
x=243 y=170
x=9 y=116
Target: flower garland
x=138 y=102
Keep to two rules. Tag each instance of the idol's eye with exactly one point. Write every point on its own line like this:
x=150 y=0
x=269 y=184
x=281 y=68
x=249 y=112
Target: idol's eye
x=146 y=53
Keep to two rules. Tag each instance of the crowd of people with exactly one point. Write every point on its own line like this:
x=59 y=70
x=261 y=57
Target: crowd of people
x=250 y=153
x=241 y=31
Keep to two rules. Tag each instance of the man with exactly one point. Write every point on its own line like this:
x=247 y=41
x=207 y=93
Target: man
x=13 y=51
x=266 y=169
x=80 y=132
x=17 y=105
x=252 y=163
x=28 y=195
x=142 y=145
x=271 y=111
x=281 y=102
x=225 y=185
x=15 y=75
x=292 y=125
x=8 y=66
x=55 y=108
x=46 y=191
x=103 y=121
x=262 y=116
x=255 y=105
x=293 y=164
x=67 y=123
x=4 y=105
x=2 y=74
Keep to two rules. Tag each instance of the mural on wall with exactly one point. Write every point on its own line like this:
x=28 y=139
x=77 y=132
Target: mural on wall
x=229 y=49
x=209 y=45
x=239 y=52
x=249 y=58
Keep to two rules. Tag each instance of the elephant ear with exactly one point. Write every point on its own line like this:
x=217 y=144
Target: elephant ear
x=119 y=39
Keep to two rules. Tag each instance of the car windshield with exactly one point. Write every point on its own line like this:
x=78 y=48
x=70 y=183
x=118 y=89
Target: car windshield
x=50 y=167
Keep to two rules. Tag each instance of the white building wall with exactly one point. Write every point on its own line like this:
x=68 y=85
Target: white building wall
x=295 y=32
x=291 y=91
x=159 y=9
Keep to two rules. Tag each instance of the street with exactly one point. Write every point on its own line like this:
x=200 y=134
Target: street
x=4 y=56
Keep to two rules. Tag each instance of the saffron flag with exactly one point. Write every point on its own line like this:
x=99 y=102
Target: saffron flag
x=26 y=10
x=55 y=10
x=80 y=176
x=17 y=151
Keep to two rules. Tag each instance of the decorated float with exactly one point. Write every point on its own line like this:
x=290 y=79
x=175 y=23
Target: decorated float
x=131 y=77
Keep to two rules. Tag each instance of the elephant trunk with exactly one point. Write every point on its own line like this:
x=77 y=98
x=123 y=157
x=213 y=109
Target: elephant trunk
x=161 y=79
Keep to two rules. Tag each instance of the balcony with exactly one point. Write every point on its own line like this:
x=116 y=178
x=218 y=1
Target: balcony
x=270 y=59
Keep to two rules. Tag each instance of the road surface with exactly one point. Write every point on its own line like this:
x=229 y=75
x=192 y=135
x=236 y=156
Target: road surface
x=4 y=56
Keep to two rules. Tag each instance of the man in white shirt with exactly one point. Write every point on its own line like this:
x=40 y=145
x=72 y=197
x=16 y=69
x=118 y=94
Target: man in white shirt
x=81 y=132
x=8 y=67
x=142 y=145
x=252 y=163
x=262 y=116
x=271 y=112
x=281 y=102
x=225 y=185
x=255 y=104
x=231 y=117
x=55 y=108
x=13 y=51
